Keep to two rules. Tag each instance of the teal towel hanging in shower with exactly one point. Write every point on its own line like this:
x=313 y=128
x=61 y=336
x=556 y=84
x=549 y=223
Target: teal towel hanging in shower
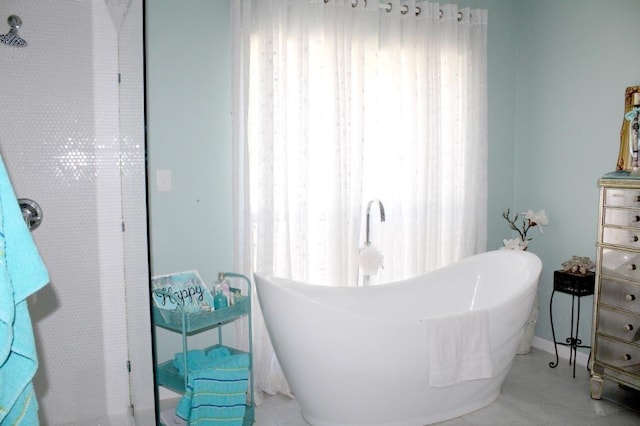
x=22 y=273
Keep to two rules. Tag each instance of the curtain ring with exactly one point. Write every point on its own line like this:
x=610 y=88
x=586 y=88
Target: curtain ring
x=460 y=16
x=389 y=7
x=418 y=11
x=404 y=9
x=326 y=1
x=441 y=13
x=354 y=4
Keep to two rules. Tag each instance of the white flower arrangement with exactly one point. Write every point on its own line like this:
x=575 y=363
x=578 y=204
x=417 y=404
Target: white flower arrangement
x=530 y=219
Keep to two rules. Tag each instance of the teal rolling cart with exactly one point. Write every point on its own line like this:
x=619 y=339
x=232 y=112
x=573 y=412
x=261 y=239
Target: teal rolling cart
x=191 y=323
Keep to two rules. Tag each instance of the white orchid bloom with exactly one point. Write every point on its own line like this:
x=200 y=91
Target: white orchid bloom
x=529 y=219
x=536 y=218
x=515 y=244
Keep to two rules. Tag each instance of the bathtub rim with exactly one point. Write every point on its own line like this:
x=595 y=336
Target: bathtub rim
x=301 y=288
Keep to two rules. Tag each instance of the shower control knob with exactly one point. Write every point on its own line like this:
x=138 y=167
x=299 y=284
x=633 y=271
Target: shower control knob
x=14 y=21
x=31 y=212
x=12 y=38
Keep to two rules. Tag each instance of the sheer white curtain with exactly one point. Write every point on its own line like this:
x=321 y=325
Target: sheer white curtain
x=338 y=102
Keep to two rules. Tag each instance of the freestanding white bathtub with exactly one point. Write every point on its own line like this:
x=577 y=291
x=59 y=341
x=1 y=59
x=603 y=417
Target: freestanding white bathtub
x=360 y=355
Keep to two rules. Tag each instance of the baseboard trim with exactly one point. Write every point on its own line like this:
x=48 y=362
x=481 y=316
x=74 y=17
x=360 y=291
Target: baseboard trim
x=582 y=358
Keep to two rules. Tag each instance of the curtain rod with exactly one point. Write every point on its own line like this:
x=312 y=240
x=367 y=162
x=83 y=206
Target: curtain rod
x=404 y=10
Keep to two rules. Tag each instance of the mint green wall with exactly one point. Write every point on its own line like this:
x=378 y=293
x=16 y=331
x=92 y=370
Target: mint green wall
x=557 y=74
x=575 y=59
x=188 y=56
x=189 y=132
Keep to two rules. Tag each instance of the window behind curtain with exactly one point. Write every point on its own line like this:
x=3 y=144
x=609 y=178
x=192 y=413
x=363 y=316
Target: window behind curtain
x=347 y=104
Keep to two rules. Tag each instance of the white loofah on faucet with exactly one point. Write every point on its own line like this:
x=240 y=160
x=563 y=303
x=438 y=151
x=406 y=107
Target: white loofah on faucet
x=370 y=260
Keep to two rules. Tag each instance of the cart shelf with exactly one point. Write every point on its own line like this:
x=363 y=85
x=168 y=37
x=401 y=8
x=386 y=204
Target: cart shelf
x=196 y=322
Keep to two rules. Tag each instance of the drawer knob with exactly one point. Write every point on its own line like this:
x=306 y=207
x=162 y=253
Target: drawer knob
x=638 y=198
x=634 y=238
x=628 y=327
x=630 y=297
x=632 y=267
x=635 y=218
x=627 y=357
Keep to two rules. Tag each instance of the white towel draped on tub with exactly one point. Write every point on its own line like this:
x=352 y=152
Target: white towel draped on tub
x=458 y=348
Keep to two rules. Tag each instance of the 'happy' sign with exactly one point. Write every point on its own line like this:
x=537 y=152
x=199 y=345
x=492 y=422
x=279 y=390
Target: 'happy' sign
x=187 y=290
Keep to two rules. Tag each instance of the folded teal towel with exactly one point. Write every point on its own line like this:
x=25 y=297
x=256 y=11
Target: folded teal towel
x=238 y=361
x=218 y=353
x=22 y=273
x=217 y=396
x=198 y=359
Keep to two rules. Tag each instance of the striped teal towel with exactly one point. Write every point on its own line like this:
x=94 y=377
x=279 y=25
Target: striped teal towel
x=217 y=395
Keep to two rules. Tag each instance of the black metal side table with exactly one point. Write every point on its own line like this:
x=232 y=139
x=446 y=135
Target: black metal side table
x=577 y=286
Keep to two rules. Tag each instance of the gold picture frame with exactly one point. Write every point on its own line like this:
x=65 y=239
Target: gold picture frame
x=625 y=156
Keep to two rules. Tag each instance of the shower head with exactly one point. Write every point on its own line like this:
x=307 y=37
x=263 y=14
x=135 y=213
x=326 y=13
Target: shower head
x=12 y=38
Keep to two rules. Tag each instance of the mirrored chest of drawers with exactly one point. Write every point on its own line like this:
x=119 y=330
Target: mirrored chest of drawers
x=616 y=319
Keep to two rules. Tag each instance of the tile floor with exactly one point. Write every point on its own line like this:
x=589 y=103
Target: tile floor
x=532 y=394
